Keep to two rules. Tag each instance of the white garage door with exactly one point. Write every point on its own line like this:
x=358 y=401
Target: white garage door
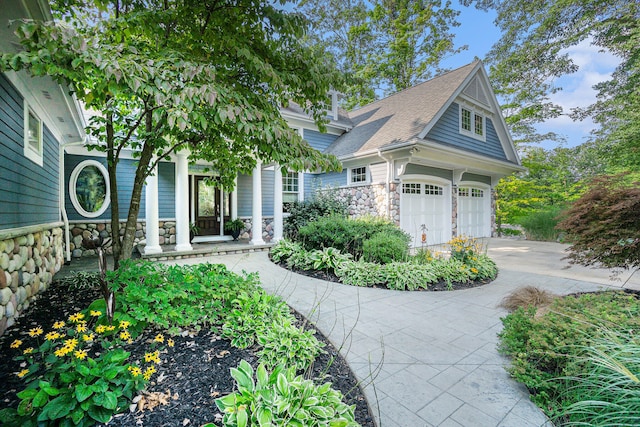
x=474 y=212
x=426 y=204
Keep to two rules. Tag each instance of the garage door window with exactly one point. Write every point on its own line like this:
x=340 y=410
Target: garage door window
x=434 y=190
x=411 y=188
x=477 y=193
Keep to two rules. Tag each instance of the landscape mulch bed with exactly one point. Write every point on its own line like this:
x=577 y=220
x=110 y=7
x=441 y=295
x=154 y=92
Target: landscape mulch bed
x=191 y=376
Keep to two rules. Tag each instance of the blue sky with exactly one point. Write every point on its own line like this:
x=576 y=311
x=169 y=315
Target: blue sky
x=478 y=31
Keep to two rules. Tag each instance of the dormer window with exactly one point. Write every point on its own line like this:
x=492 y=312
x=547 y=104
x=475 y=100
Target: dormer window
x=472 y=123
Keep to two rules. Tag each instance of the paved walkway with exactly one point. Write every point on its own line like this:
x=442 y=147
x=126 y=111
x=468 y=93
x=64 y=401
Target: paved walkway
x=429 y=358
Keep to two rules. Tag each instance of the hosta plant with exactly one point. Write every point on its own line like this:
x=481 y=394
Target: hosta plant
x=328 y=259
x=281 y=398
x=284 y=249
x=284 y=343
x=361 y=273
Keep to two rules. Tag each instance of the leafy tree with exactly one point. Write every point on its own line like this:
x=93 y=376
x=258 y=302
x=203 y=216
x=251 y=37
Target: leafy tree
x=209 y=75
x=532 y=54
x=604 y=226
x=385 y=45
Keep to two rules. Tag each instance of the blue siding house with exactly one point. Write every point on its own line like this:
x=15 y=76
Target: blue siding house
x=427 y=158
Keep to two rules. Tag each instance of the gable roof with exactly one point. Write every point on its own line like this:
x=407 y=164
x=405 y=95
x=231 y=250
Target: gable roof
x=406 y=116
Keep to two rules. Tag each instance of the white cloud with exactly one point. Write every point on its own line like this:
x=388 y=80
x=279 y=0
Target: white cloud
x=594 y=67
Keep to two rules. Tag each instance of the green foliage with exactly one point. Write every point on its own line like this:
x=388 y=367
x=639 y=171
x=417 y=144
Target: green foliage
x=282 y=399
x=81 y=280
x=328 y=259
x=386 y=247
x=604 y=225
x=606 y=392
x=546 y=347
x=282 y=250
x=159 y=91
x=177 y=296
x=393 y=45
x=408 y=276
x=300 y=260
x=250 y=315
x=323 y=203
x=76 y=376
x=345 y=234
x=361 y=273
x=282 y=343
x=541 y=225
x=464 y=248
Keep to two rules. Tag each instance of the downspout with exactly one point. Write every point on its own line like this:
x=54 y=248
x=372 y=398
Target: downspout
x=63 y=210
x=386 y=184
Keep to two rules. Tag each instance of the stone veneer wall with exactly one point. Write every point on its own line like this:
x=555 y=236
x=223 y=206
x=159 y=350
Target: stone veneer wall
x=371 y=200
x=91 y=230
x=27 y=265
x=267 y=229
x=454 y=211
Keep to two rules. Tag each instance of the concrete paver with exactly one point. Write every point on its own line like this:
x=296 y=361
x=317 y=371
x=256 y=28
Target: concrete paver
x=430 y=358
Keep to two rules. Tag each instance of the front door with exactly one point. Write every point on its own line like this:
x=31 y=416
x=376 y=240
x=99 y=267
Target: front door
x=212 y=207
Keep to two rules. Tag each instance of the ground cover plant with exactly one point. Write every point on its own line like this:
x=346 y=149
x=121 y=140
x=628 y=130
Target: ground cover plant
x=576 y=357
x=375 y=252
x=86 y=369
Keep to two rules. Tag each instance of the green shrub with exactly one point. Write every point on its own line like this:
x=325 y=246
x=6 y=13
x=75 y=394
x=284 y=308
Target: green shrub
x=328 y=259
x=177 y=296
x=250 y=315
x=360 y=273
x=386 y=247
x=541 y=224
x=77 y=375
x=322 y=203
x=300 y=260
x=346 y=235
x=410 y=276
x=284 y=249
x=282 y=343
x=282 y=399
x=548 y=347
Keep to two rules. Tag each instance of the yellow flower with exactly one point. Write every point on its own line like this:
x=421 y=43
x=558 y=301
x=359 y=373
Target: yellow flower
x=71 y=343
x=125 y=335
x=88 y=337
x=16 y=344
x=58 y=325
x=76 y=317
x=34 y=332
x=135 y=371
x=474 y=270
x=101 y=329
x=124 y=324
x=152 y=357
x=28 y=350
x=62 y=351
x=23 y=373
x=148 y=372
x=159 y=338
x=111 y=328
x=52 y=336
x=170 y=342
x=80 y=354
x=95 y=313
x=82 y=327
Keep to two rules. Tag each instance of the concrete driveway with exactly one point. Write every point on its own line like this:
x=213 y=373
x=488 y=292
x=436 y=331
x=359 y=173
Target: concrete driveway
x=430 y=358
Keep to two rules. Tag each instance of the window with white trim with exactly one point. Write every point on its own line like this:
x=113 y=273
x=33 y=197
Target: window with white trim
x=290 y=189
x=32 y=135
x=434 y=190
x=358 y=175
x=472 y=123
x=89 y=188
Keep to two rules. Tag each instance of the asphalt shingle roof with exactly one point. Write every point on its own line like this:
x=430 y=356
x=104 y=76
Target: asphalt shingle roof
x=401 y=116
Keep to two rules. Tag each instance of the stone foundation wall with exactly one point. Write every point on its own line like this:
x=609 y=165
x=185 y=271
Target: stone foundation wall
x=27 y=266
x=366 y=200
x=267 y=229
x=89 y=230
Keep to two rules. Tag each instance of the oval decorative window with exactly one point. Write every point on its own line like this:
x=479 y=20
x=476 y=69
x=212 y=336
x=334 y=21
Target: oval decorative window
x=89 y=188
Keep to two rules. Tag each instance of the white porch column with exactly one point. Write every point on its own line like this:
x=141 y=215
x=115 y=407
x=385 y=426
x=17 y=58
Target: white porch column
x=151 y=214
x=234 y=199
x=277 y=204
x=256 y=217
x=182 y=202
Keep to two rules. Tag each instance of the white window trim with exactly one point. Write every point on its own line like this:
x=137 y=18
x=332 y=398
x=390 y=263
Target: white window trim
x=31 y=154
x=367 y=176
x=73 y=180
x=472 y=132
